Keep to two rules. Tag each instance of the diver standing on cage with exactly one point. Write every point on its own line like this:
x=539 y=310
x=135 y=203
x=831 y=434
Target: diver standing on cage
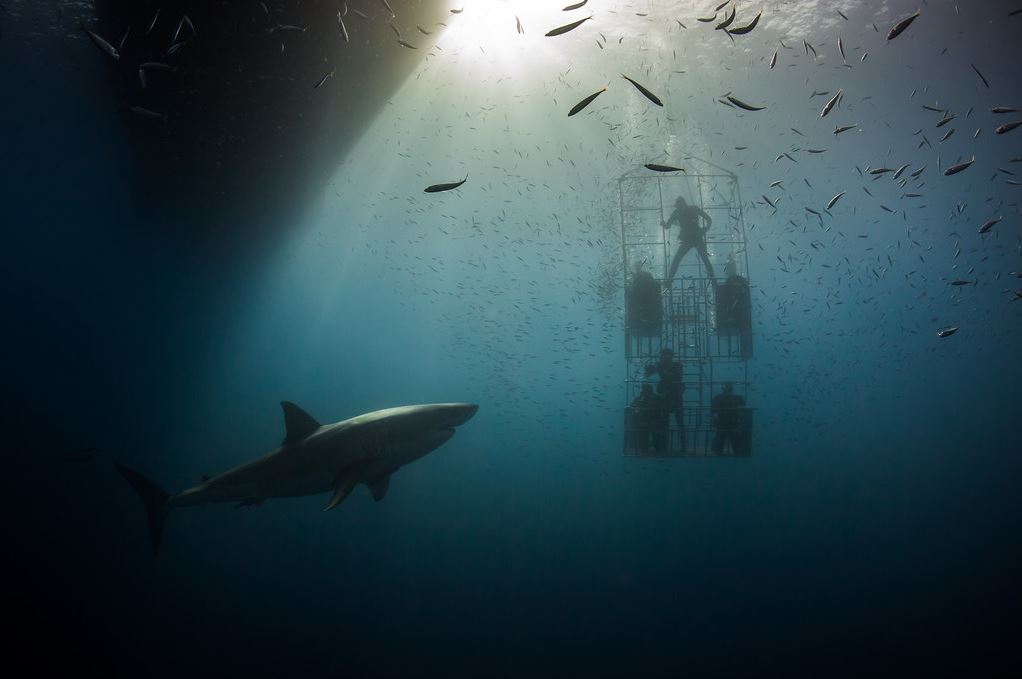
x=670 y=389
x=687 y=217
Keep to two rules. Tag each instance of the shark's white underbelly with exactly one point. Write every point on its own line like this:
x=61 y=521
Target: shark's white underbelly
x=272 y=476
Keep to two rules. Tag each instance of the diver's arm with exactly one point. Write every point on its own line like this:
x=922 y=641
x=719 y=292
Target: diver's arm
x=670 y=220
x=706 y=218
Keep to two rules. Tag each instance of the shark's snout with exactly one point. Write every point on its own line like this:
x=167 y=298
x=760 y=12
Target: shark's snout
x=457 y=414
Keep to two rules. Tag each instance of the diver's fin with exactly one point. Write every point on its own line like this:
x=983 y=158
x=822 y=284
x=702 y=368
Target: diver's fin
x=297 y=423
x=153 y=498
x=342 y=490
x=379 y=487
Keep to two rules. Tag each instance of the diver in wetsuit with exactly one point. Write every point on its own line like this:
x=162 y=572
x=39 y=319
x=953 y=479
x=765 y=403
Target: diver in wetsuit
x=670 y=388
x=650 y=423
x=728 y=411
x=692 y=236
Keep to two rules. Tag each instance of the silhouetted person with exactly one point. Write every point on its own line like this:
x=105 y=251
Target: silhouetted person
x=734 y=307
x=670 y=388
x=645 y=312
x=728 y=411
x=650 y=421
x=692 y=236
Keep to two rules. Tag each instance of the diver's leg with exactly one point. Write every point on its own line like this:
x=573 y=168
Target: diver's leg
x=741 y=441
x=674 y=267
x=679 y=419
x=676 y=262
x=718 y=442
x=659 y=436
x=706 y=259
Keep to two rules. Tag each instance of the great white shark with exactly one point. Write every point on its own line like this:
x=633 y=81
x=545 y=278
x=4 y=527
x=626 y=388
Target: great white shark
x=316 y=458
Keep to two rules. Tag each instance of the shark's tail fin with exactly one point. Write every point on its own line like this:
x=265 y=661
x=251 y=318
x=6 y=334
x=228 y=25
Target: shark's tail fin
x=153 y=498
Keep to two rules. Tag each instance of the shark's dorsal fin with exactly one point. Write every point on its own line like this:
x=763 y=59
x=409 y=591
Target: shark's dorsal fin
x=379 y=487
x=298 y=424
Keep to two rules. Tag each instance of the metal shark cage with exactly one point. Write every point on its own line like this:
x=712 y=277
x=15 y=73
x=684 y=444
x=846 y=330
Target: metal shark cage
x=705 y=322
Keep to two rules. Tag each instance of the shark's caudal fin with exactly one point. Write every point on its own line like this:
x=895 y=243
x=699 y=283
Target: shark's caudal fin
x=153 y=498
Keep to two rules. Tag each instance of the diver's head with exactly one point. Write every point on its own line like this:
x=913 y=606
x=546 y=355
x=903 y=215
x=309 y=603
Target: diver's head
x=666 y=355
x=729 y=387
x=680 y=202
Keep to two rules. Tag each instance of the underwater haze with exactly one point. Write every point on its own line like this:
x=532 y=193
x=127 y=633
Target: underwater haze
x=181 y=258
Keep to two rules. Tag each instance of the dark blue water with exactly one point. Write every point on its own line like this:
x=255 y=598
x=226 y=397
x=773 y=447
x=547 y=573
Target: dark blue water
x=874 y=530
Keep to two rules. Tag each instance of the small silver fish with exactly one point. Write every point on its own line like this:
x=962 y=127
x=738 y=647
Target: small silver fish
x=649 y=95
x=747 y=28
x=741 y=104
x=153 y=22
x=662 y=168
x=147 y=113
x=157 y=66
x=834 y=200
x=830 y=104
x=989 y=225
x=124 y=39
x=324 y=79
x=561 y=30
x=897 y=29
x=99 y=42
x=585 y=102
x=981 y=76
x=437 y=188
x=177 y=31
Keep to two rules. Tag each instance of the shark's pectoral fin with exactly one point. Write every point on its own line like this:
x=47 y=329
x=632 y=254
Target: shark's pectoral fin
x=342 y=490
x=380 y=486
x=297 y=423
